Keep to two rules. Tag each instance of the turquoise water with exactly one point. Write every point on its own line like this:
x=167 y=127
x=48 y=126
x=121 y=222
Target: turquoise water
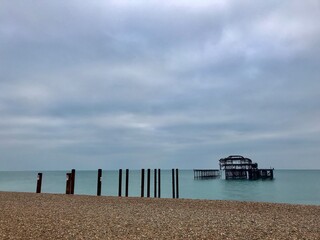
x=289 y=186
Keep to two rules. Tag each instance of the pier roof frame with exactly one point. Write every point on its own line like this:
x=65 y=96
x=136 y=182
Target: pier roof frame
x=237 y=162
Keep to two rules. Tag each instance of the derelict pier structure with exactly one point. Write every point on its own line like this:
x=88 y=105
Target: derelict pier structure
x=239 y=167
x=235 y=167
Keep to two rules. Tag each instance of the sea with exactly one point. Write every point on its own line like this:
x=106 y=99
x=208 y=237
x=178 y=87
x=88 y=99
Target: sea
x=288 y=186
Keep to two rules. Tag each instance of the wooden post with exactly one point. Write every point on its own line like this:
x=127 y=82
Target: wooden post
x=177 y=183
x=155 y=182
x=148 y=183
x=73 y=180
x=142 y=182
x=99 y=182
x=120 y=183
x=159 y=183
x=173 y=183
x=127 y=182
x=39 y=183
x=68 y=183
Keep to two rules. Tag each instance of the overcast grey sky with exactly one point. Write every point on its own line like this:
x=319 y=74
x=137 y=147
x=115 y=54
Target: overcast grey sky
x=131 y=84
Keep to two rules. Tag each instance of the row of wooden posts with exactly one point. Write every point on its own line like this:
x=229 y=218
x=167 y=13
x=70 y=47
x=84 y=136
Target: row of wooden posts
x=71 y=177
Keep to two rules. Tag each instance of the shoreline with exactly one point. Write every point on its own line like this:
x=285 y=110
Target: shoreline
x=60 y=216
x=167 y=198
x=180 y=198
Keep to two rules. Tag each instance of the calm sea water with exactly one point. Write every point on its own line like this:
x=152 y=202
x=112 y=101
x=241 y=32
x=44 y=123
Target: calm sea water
x=289 y=186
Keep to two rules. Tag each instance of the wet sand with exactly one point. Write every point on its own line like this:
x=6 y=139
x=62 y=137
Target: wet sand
x=58 y=216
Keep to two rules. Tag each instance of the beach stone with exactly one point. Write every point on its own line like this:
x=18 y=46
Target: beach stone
x=59 y=216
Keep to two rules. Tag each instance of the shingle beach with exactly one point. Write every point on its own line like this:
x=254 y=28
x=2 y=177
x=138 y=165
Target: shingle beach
x=58 y=216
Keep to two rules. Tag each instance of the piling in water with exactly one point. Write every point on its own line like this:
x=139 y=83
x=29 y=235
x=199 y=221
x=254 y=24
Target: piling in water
x=177 y=183
x=173 y=184
x=99 y=182
x=127 y=182
x=68 y=183
x=120 y=183
x=148 y=183
x=155 y=182
x=39 y=183
x=159 y=183
x=73 y=180
x=142 y=182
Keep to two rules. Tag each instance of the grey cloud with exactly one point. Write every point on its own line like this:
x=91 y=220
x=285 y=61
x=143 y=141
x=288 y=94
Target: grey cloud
x=120 y=84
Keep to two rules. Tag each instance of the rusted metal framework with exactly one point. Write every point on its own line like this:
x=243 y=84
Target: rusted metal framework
x=239 y=167
x=206 y=173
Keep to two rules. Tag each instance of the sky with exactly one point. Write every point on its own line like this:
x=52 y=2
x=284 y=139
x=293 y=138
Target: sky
x=159 y=84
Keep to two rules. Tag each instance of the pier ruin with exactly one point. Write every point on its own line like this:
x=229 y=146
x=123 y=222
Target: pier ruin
x=235 y=167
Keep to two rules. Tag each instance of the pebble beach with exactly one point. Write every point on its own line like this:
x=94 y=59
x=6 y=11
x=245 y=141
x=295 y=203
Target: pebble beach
x=58 y=216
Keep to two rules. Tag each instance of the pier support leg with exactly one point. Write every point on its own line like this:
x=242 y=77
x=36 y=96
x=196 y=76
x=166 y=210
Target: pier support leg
x=99 y=182
x=177 y=183
x=173 y=184
x=155 y=183
x=159 y=183
x=127 y=182
x=142 y=182
x=120 y=183
x=73 y=180
x=39 y=183
x=148 y=183
x=68 y=183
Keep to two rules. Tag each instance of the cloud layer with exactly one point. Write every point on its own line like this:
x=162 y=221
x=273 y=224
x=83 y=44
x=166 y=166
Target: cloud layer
x=153 y=84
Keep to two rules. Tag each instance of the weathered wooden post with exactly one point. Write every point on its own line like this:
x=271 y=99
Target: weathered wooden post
x=68 y=183
x=142 y=182
x=127 y=182
x=99 y=182
x=177 y=183
x=120 y=183
x=39 y=183
x=155 y=182
x=148 y=183
x=73 y=180
x=173 y=184
x=159 y=183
